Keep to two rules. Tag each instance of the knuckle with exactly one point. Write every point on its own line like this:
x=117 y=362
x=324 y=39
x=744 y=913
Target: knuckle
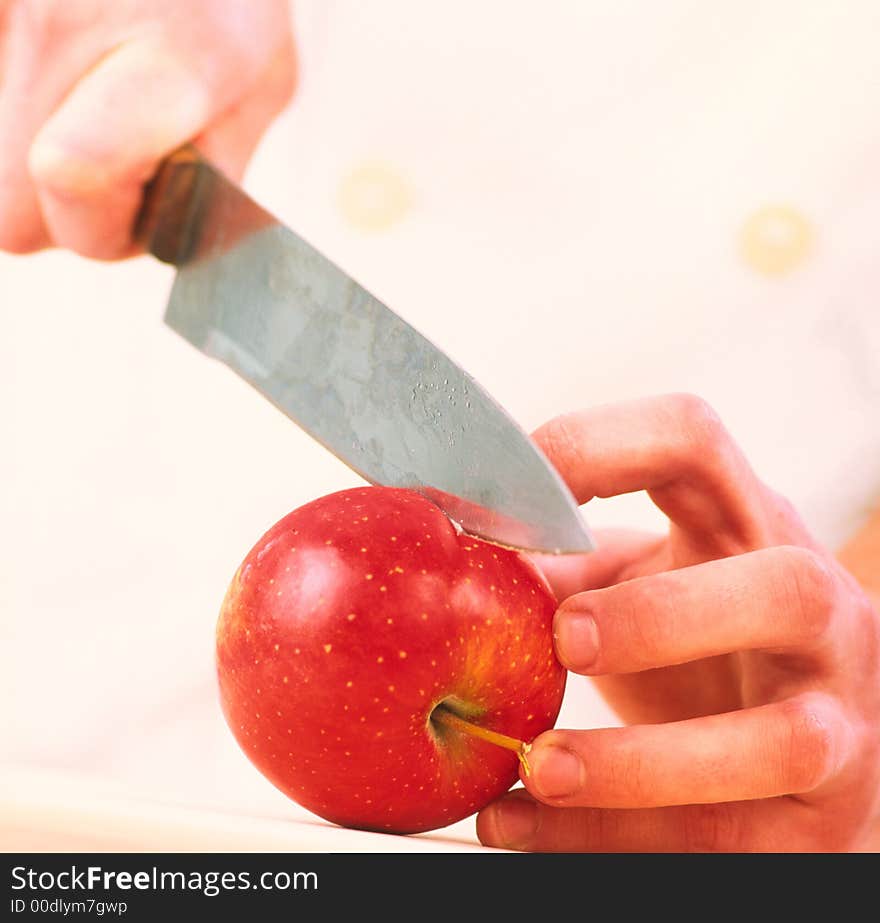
x=703 y=431
x=629 y=779
x=646 y=630
x=711 y=828
x=64 y=173
x=786 y=518
x=14 y=241
x=811 y=588
x=808 y=744
x=698 y=415
x=21 y=231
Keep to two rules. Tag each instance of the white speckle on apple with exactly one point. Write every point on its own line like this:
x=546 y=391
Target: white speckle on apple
x=328 y=648
x=351 y=616
x=380 y=659
x=368 y=576
x=401 y=655
x=349 y=684
x=383 y=588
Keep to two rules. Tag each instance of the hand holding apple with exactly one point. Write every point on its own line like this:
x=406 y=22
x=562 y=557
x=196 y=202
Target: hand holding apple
x=380 y=667
x=743 y=657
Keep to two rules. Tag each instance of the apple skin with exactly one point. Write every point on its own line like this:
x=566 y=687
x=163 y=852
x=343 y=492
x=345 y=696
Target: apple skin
x=344 y=627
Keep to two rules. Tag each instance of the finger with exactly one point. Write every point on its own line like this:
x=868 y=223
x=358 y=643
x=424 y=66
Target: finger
x=519 y=822
x=230 y=140
x=21 y=223
x=787 y=747
x=673 y=446
x=776 y=598
x=93 y=156
x=616 y=550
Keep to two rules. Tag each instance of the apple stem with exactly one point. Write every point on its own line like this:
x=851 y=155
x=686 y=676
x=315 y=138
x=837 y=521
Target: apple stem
x=444 y=716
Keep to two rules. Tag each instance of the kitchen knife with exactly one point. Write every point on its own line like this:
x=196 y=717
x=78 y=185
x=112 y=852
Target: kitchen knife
x=343 y=366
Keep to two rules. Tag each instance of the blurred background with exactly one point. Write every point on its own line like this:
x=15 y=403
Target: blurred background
x=582 y=202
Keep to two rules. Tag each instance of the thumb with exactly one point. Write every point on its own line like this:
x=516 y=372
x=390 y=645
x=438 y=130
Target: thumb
x=91 y=159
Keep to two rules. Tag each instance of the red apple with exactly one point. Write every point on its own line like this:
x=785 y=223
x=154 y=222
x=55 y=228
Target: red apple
x=364 y=641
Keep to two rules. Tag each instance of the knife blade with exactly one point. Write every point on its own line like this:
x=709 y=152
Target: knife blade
x=344 y=367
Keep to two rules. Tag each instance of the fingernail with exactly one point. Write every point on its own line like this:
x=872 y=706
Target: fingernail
x=515 y=822
x=577 y=640
x=556 y=771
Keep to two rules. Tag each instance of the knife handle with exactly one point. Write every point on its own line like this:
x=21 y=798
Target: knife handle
x=167 y=213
